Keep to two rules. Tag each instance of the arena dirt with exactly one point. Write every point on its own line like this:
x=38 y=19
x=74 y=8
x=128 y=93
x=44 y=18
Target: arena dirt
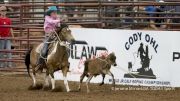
x=15 y=88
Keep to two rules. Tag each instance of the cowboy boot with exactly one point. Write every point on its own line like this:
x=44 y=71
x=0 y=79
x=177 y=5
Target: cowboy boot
x=39 y=65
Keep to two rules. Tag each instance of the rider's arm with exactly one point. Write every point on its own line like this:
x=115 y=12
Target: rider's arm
x=52 y=21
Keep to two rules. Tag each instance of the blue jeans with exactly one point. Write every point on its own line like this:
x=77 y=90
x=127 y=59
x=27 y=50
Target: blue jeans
x=45 y=47
x=44 y=50
x=5 y=44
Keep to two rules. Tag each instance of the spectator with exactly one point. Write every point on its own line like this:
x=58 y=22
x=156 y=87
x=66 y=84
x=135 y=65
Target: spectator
x=5 y=32
x=153 y=12
x=177 y=10
x=129 y=9
x=111 y=11
x=70 y=10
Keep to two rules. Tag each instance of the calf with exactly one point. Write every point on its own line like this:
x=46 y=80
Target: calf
x=94 y=67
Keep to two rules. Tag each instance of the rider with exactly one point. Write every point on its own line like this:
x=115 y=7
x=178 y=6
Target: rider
x=50 y=24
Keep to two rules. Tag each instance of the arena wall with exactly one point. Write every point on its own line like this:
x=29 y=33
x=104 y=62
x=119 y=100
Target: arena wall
x=160 y=66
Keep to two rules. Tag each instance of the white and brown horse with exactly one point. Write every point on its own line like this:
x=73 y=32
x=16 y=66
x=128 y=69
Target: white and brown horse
x=57 y=58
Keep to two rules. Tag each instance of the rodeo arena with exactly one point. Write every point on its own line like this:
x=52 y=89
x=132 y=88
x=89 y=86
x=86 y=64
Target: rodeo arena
x=89 y=50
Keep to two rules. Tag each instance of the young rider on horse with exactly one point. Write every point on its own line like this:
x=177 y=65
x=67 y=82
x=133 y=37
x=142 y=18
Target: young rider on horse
x=50 y=24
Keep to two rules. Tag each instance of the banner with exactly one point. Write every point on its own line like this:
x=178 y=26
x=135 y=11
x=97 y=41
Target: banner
x=148 y=58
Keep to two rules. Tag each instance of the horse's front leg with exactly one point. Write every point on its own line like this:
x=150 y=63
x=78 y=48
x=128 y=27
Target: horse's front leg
x=65 y=71
x=51 y=74
x=46 y=85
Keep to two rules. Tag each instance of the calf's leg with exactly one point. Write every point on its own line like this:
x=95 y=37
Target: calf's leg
x=103 y=75
x=81 y=80
x=87 y=82
x=113 y=81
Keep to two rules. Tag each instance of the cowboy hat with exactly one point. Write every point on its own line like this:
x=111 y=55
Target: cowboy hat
x=51 y=9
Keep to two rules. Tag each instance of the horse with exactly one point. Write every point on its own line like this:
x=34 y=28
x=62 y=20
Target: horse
x=57 y=58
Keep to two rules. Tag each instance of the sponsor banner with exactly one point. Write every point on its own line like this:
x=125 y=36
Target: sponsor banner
x=148 y=58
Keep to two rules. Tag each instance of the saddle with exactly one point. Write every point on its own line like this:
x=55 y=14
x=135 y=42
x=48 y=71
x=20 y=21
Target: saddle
x=43 y=59
x=50 y=47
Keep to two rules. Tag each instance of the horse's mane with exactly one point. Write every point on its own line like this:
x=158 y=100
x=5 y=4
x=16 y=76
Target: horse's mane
x=63 y=25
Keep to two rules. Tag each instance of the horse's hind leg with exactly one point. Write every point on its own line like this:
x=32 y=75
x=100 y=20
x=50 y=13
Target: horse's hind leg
x=46 y=85
x=34 y=78
x=34 y=81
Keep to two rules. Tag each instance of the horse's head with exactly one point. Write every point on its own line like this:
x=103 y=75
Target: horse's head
x=65 y=33
x=111 y=58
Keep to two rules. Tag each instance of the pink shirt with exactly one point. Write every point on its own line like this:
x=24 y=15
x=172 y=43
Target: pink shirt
x=50 y=24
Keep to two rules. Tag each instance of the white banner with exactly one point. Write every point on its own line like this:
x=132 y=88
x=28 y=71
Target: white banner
x=148 y=58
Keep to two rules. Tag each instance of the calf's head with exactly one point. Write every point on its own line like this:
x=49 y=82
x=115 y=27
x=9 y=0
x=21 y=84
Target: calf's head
x=112 y=59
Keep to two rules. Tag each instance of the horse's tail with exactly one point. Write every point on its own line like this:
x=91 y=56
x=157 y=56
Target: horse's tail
x=27 y=61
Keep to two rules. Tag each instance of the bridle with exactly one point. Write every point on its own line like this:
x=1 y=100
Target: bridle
x=61 y=43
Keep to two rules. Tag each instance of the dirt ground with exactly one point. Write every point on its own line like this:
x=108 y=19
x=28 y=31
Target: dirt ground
x=15 y=88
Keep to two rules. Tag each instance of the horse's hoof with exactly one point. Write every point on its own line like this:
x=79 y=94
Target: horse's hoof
x=37 y=87
x=31 y=87
x=69 y=90
x=74 y=90
x=54 y=90
x=57 y=89
x=45 y=88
